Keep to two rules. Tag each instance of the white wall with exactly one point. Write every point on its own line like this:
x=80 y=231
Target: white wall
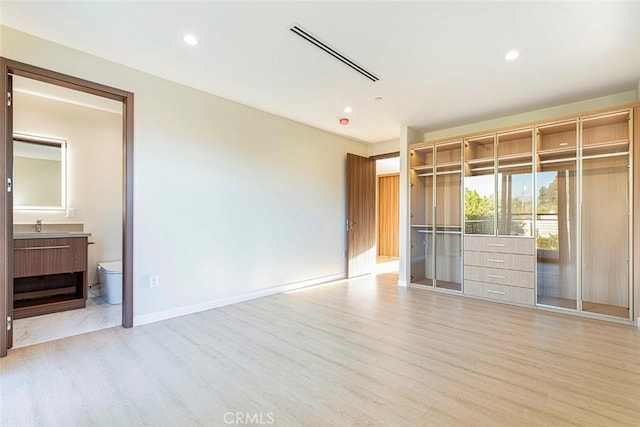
x=384 y=147
x=228 y=199
x=94 y=169
x=388 y=166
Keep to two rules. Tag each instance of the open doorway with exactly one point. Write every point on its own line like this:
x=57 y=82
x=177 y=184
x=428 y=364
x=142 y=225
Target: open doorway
x=387 y=214
x=9 y=261
x=67 y=180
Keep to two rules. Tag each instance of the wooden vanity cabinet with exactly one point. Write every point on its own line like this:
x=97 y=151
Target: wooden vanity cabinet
x=49 y=275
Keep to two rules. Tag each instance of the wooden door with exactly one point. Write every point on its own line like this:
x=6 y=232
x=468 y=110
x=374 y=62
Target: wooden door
x=388 y=215
x=361 y=212
x=6 y=211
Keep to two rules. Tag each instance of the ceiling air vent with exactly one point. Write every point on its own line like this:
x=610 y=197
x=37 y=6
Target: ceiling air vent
x=328 y=49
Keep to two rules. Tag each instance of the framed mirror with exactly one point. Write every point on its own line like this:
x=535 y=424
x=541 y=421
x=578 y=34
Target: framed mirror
x=39 y=173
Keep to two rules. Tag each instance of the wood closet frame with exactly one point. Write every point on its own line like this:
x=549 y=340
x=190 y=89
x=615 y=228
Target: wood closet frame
x=635 y=223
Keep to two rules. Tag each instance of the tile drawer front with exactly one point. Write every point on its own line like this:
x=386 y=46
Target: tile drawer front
x=518 y=278
x=502 y=293
x=500 y=260
x=508 y=245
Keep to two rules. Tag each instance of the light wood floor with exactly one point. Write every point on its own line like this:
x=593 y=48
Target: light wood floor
x=591 y=307
x=358 y=352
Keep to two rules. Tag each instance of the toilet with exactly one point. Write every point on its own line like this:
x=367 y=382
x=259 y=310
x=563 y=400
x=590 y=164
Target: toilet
x=110 y=278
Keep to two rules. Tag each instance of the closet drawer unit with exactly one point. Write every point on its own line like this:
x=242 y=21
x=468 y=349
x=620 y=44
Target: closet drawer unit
x=500 y=260
x=523 y=279
x=508 y=245
x=503 y=293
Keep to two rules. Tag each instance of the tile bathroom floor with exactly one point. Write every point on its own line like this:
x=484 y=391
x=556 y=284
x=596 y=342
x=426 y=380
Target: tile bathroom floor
x=97 y=315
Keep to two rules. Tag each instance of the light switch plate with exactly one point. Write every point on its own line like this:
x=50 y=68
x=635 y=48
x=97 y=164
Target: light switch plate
x=71 y=213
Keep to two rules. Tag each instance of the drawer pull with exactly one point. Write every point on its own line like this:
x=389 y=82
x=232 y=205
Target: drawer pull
x=496 y=292
x=496 y=260
x=39 y=248
x=496 y=277
x=499 y=245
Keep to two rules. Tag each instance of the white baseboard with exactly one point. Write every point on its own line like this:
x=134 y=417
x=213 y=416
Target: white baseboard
x=208 y=305
x=402 y=283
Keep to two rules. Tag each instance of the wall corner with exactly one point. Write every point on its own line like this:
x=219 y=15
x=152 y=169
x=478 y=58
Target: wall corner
x=407 y=136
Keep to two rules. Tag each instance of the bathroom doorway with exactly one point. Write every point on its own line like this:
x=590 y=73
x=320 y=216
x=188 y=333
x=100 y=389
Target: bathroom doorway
x=24 y=75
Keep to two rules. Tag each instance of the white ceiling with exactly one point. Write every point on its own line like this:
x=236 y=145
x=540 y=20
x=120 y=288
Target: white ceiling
x=440 y=63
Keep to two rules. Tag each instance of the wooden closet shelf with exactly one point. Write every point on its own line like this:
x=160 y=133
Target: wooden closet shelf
x=622 y=143
x=480 y=161
x=517 y=156
x=448 y=165
x=555 y=151
x=448 y=146
x=515 y=165
x=424 y=148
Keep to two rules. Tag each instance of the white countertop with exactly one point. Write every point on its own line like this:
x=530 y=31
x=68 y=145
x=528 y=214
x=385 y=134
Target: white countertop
x=56 y=235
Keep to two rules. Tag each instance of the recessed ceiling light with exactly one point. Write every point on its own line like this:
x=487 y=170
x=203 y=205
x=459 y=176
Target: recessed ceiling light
x=348 y=109
x=511 y=55
x=190 y=39
x=378 y=98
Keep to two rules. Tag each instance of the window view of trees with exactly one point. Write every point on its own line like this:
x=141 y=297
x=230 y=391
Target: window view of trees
x=548 y=198
x=548 y=213
x=478 y=212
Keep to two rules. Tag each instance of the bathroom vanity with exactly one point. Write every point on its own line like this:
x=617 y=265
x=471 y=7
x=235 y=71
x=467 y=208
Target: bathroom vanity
x=49 y=272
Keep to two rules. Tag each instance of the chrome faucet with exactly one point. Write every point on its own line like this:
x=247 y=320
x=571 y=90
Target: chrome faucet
x=38 y=225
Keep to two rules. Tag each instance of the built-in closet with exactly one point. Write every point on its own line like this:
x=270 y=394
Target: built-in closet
x=538 y=214
x=584 y=214
x=436 y=232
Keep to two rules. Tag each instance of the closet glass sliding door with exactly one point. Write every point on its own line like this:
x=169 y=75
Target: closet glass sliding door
x=448 y=235
x=557 y=215
x=606 y=213
x=479 y=186
x=422 y=213
x=436 y=215
x=583 y=214
x=515 y=183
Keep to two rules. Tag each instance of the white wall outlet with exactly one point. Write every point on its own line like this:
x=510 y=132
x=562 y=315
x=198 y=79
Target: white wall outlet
x=154 y=282
x=71 y=213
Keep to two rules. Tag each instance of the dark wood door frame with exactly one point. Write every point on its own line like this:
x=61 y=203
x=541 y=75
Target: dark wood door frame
x=10 y=68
